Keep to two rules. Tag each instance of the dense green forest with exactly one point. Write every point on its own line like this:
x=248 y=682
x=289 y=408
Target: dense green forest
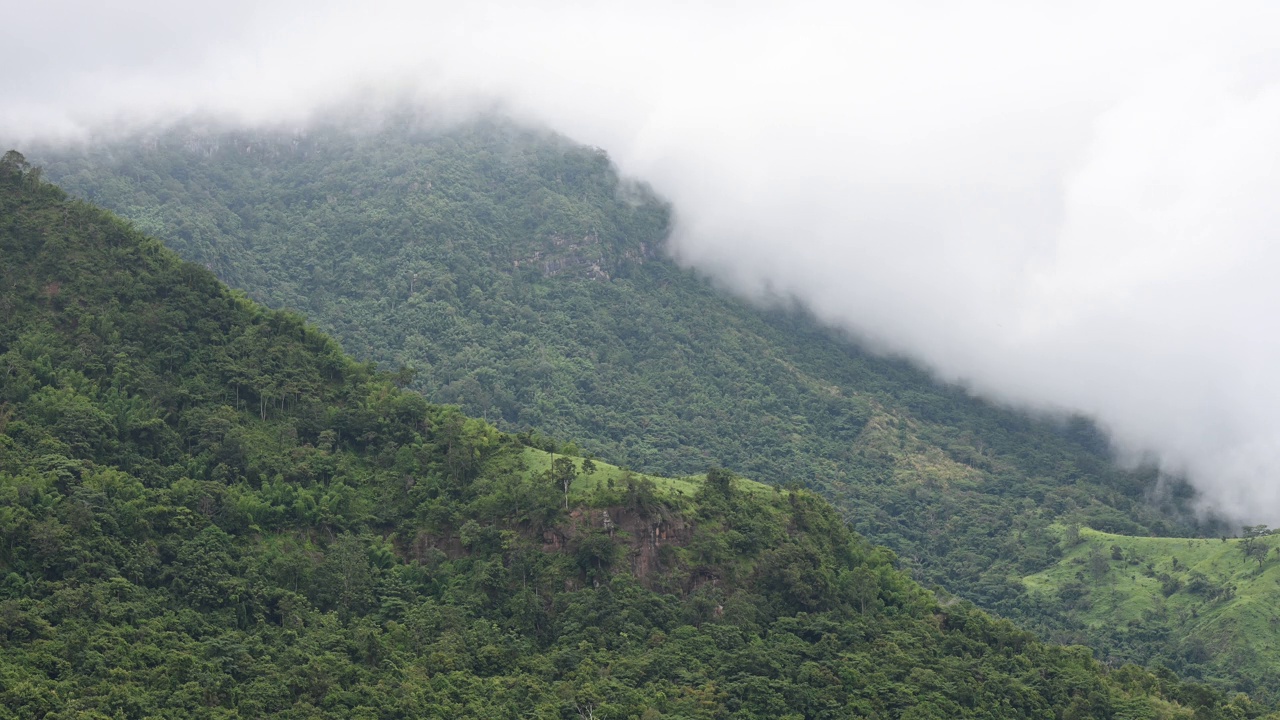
x=208 y=510
x=522 y=279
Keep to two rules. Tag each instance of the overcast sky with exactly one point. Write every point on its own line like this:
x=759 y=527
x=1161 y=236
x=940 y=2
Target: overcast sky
x=1064 y=205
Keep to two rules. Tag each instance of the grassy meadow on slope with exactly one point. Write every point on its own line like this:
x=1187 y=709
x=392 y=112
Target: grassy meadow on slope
x=1212 y=605
x=606 y=477
x=207 y=510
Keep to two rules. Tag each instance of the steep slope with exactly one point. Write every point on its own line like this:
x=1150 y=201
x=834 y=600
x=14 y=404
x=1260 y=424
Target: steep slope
x=524 y=280
x=1213 y=605
x=207 y=510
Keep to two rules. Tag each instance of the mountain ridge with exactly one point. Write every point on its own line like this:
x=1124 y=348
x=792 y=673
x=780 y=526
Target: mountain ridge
x=208 y=510
x=464 y=155
x=413 y=246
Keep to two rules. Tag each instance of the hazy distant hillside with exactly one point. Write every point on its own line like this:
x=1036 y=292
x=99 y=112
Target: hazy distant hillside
x=208 y=511
x=522 y=279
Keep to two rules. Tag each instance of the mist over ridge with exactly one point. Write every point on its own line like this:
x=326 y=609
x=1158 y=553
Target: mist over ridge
x=1064 y=209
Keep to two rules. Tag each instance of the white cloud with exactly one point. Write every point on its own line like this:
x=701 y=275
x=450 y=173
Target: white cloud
x=1065 y=205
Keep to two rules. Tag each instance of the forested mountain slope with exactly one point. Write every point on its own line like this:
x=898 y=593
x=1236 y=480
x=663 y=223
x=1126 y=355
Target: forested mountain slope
x=208 y=510
x=525 y=281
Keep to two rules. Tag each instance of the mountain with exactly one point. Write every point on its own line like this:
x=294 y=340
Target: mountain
x=208 y=510
x=524 y=280
x=514 y=273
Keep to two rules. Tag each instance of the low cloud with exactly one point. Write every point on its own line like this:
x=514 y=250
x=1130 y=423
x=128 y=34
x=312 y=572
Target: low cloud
x=1066 y=207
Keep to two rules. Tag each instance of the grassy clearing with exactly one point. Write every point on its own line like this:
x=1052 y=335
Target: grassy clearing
x=1221 y=607
x=539 y=461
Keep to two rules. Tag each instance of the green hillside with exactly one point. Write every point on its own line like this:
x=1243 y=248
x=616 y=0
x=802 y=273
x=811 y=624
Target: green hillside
x=207 y=510
x=525 y=281
x=1211 y=607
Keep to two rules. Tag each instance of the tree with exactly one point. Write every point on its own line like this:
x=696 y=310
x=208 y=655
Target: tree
x=564 y=472
x=203 y=572
x=864 y=589
x=14 y=162
x=1253 y=546
x=1098 y=564
x=404 y=376
x=346 y=576
x=720 y=481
